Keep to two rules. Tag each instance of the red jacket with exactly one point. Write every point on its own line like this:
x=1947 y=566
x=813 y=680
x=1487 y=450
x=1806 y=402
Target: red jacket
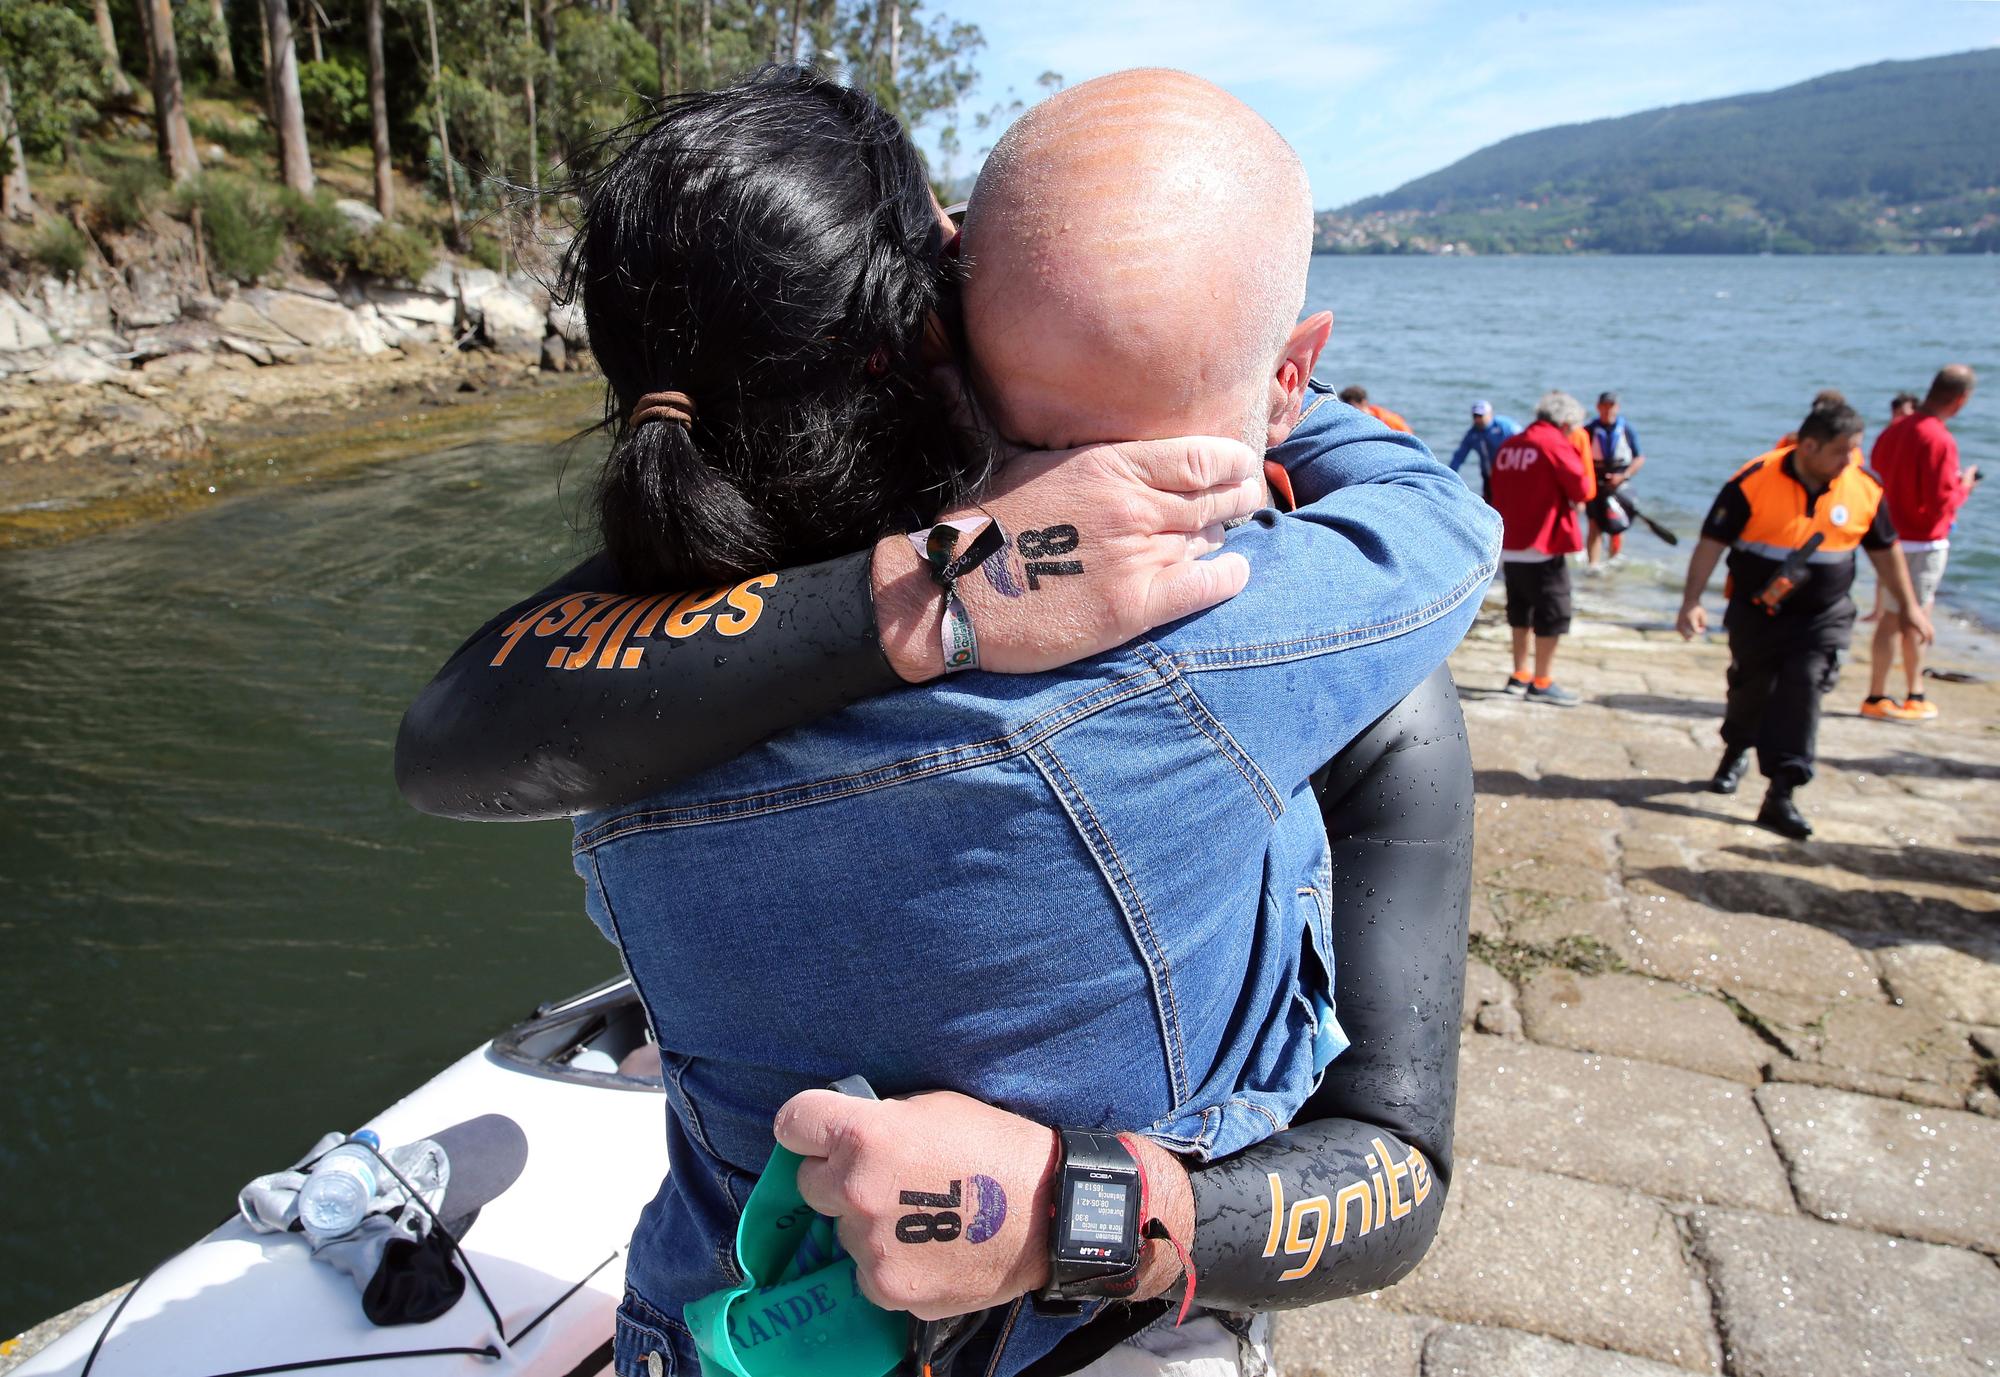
x=1538 y=478
x=1917 y=460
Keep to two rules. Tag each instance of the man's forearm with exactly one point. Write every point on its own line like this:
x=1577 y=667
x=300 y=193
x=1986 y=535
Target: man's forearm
x=1701 y=567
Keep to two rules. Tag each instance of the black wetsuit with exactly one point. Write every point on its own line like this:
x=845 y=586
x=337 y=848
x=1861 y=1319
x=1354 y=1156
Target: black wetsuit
x=500 y=735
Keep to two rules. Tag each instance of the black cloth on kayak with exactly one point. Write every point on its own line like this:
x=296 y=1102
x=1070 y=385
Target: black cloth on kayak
x=523 y=741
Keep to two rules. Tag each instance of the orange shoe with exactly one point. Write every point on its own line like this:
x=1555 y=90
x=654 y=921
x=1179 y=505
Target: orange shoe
x=1920 y=709
x=1888 y=710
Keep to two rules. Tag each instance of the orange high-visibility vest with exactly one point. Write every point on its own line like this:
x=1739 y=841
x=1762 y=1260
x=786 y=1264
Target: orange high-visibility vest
x=1780 y=522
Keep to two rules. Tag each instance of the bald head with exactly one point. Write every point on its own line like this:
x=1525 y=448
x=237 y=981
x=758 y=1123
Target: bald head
x=1138 y=247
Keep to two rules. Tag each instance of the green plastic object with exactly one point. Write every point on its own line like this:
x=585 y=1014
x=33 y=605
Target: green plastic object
x=800 y=1311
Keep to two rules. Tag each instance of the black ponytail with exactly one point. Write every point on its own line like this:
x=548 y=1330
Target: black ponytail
x=771 y=250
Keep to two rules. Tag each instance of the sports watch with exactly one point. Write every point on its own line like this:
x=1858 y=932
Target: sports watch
x=1094 y=1237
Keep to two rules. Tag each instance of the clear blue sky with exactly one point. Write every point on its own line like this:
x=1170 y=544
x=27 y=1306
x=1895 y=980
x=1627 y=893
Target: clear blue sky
x=1375 y=92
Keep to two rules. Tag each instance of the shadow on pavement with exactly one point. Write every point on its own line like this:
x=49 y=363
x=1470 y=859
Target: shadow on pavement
x=1636 y=792
x=1911 y=763
x=1661 y=706
x=1944 y=865
x=1886 y=914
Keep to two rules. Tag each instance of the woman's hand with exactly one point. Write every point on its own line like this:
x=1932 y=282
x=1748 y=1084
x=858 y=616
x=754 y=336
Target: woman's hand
x=1104 y=544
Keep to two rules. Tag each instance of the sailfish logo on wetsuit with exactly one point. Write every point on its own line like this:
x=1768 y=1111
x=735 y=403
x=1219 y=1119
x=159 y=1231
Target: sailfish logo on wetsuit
x=608 y=631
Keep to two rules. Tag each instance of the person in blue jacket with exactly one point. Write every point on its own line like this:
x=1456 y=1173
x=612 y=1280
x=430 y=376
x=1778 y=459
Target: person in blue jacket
x=1486 y=434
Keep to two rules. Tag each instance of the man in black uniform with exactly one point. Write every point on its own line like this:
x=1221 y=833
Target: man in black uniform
x=1790 y=521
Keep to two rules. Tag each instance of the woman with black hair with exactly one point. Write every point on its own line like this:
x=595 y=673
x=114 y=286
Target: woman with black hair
x=767 y=353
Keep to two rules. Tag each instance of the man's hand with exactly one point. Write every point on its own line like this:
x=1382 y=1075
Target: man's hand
x=943 y=1202
x=1104 y=544
x=1614 y=481
x=1972 y=477
x=1692 y=622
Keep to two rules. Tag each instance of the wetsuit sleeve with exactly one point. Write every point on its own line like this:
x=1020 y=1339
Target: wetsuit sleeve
x=1353 y=598
x=1347 y=1200
x=1464 y=448
x=1881 y=533
x=1632 y=439
x=1730 y=514
x=587 y=695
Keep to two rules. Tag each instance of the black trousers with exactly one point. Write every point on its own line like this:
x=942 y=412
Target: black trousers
x=1777 y=677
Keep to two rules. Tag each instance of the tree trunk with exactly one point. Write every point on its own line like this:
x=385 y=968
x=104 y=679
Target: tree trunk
x=270 y=86
x=534 y=132
x=378 y=112
x=312 y=31
x=674 y=7
x=878 y=33
x=895 y=39
x=444 y=130
x=170 y=125
x=798 y=14
x=107 y=39
x=294 y=157
x=17 y=201
x=145 y=12
x=707 y=53
x=225 y=59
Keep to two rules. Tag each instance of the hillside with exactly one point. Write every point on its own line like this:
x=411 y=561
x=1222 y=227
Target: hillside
x=1898 y=156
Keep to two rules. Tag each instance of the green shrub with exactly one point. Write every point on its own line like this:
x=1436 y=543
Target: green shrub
x=130 y=192
x=394 y=252
x=335 y=97
x=244 y=233
x=486 y=252
x=60 y=247
x=247 y=139
x=325 y=237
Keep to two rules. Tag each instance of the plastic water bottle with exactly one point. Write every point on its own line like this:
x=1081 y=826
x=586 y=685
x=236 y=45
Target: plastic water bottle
x=335 y=1197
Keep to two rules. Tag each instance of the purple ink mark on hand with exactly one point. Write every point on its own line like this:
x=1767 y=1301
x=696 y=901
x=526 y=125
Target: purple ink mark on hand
x=992 y=1212
x=999 y=571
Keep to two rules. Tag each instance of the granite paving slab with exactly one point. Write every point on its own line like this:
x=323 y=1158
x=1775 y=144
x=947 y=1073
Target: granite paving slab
x=1463 y=1350
x=1636 y=1016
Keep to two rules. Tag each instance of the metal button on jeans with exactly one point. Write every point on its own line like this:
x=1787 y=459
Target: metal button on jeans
x=655 y=1365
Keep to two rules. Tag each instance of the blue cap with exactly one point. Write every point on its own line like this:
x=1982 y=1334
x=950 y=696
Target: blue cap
x=1482 y=407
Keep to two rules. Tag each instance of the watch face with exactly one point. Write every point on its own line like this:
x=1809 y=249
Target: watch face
x=1099 y=1218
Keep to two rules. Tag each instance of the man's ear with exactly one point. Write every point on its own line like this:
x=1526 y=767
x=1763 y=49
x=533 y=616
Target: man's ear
x=1295 y=367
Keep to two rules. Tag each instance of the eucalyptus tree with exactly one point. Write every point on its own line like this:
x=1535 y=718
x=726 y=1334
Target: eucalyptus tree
x=288 y=112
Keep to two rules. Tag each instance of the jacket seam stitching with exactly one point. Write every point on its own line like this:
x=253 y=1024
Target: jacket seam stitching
x=1159 y=970
x=1197 y=712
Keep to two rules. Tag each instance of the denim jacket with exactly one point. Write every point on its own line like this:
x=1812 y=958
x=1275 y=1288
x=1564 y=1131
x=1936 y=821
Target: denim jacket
x=1095 y=897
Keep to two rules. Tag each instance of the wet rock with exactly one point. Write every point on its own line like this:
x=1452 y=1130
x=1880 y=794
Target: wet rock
x=510 y=323
x=70 y=309
x=555 y=354
x=1931 y=1174
x=1487 y=996
x=256 y=351
x=1587 y=1263
x=360 y=214
x=1668 y=1132
x=314 y=323
x=566 y=319
x=239 y=318
x=1835 y=1077
x=1348 y=1336
x=1459 y=1350
x=1653 y=1020
x=418 y=306
x=1678 y=940
x=1799 y=1298
x=75 y=367
x=1943 y=980
x=21 y=328
x=1874 y=1039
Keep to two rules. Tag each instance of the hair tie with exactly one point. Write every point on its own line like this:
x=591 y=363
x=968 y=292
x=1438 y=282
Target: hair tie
x=663 y=406
x=878 y=363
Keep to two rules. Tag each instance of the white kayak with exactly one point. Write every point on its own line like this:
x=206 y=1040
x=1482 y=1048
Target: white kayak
x=548 y=1247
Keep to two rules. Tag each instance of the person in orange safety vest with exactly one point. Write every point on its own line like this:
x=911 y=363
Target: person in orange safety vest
x=1790 y=522
x=1356 y=396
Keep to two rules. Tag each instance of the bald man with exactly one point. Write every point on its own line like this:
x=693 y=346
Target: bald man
x=1138 y=250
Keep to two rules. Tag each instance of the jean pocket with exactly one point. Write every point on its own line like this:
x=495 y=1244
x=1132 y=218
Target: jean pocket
x=644 y=1342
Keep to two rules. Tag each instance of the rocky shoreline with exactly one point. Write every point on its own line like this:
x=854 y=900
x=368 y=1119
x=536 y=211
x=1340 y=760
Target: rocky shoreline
x=121 y=392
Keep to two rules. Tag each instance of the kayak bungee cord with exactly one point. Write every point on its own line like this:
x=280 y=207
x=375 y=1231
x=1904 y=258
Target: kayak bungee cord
x=489 y=1351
